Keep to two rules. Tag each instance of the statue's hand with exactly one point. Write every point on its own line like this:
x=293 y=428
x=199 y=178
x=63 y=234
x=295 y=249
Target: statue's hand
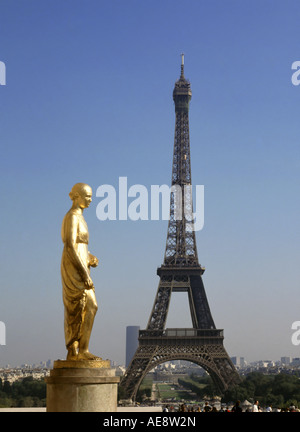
x=93 y=261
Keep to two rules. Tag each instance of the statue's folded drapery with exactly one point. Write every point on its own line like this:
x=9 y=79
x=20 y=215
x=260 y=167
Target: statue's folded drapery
x=74 y=290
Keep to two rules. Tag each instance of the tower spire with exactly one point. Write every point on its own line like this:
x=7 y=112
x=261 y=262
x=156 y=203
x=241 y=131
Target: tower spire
x=182 y=66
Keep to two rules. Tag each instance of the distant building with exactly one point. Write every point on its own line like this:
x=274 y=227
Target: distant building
x=266 y=363
x=238 y=361
x=49 y=364
x=120 y=370
x=286 y=360
x=295 y=361
x=132 y=334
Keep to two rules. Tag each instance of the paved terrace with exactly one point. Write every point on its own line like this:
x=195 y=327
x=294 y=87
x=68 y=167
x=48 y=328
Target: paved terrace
x=119 y=409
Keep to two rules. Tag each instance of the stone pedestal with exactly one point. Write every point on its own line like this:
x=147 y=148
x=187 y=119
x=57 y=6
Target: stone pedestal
x=82 y=386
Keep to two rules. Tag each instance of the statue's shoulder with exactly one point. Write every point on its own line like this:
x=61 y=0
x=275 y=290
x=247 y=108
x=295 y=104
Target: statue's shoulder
x=69 y=224
x=71 y=214
x=70 y=218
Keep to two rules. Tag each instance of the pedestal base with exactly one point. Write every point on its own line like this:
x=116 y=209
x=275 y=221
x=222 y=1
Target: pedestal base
x=82 y=386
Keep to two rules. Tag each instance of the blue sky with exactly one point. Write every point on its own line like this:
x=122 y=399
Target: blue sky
x=88 y=97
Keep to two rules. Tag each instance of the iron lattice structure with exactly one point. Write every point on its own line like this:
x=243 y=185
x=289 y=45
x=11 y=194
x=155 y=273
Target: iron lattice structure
x=181 y=272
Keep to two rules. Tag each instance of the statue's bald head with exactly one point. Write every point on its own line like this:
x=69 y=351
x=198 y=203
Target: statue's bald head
x=79 y=189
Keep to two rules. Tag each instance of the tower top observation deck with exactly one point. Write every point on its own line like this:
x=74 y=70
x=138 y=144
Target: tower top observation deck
x=182 y=92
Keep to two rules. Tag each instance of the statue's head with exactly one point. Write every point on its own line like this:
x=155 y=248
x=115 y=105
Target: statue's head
x=81 y=194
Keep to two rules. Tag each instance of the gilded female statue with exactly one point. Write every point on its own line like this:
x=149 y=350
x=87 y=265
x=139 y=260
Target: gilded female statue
x=80 y=305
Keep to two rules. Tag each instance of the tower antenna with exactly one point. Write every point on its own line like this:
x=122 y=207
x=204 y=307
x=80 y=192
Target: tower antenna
x=182 y=65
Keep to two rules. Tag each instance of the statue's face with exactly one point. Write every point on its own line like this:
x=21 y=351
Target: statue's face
x=85 y=198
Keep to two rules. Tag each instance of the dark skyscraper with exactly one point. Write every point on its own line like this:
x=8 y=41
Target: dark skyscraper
x=132 y=335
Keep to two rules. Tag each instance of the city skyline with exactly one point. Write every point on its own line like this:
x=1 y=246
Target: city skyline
x=88 y=97
x=239 y=361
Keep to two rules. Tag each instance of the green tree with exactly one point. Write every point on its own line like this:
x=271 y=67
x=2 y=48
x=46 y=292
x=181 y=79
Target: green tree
x=267 y=389
x=7 y=388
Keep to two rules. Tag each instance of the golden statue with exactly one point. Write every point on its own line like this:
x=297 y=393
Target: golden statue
x=80 y=305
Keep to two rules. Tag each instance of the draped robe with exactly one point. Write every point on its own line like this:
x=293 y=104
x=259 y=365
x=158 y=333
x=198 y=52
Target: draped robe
x=74 y=263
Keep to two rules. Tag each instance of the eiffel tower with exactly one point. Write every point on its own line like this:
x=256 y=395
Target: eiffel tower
x=181 y=272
